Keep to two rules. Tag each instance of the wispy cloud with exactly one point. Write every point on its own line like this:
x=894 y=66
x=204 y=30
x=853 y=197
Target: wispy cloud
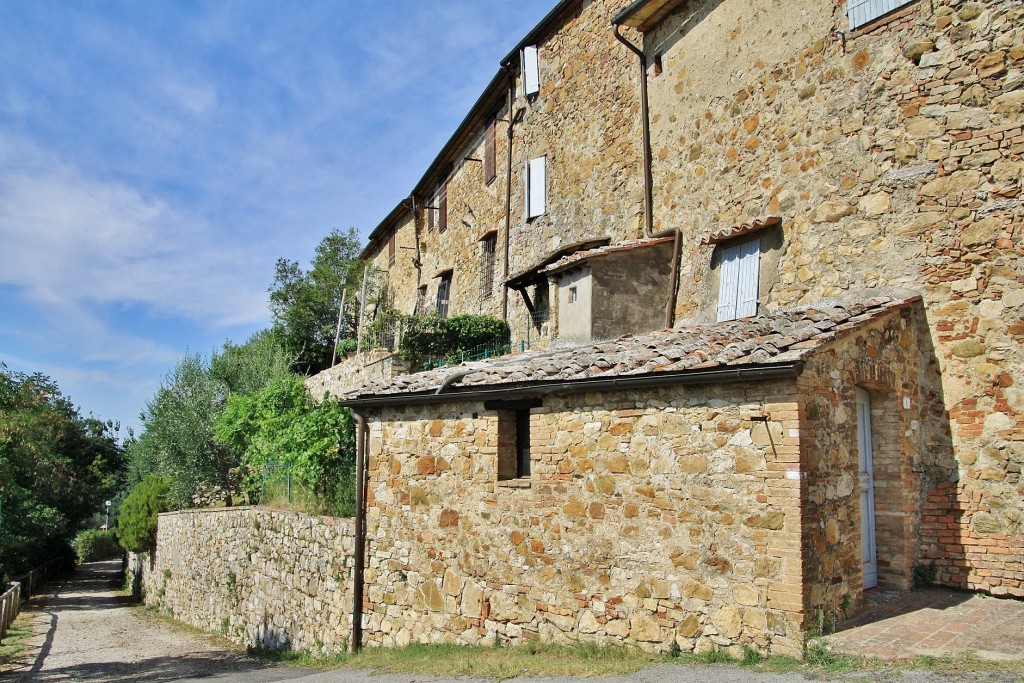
x=156 y=158
x=72 y=238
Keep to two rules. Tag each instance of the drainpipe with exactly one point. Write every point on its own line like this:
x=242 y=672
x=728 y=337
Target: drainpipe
x=508 y=186
x=673 y=286
x=670 y=312
x=646 y=123
x=359 y=559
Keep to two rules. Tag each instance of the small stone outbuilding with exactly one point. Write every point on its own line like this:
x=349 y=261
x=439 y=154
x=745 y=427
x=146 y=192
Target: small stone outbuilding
x=704 y=485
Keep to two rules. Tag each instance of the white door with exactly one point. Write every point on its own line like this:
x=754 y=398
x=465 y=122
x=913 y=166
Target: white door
x=869 y=554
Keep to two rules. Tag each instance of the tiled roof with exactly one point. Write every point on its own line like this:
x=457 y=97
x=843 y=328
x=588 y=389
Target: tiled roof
x=776 y=337
x=741 y=229
x=569 y=260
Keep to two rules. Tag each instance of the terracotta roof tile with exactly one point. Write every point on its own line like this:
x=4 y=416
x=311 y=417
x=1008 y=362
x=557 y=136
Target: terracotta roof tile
x=739 y=230
x=780 y=336
x=578 y=256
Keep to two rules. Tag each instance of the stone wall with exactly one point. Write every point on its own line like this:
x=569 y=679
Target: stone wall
x=262 y=577
x=649 y=518
x=894 y=157
x=353 y=373
x=881 y=358
x=585 y=122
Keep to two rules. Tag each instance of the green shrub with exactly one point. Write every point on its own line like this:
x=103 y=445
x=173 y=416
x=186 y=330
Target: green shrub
x=288 y=442
x=136 y=523
x=347 y=346
x=429 y=336
x=96 y=544
x=924 y=575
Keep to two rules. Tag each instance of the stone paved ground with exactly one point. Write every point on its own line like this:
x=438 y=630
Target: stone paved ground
x=934 y=622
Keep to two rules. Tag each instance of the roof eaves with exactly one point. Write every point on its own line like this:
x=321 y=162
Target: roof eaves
x=644 y=14
x=401 y=209
x=719 y=375
x=539 y=29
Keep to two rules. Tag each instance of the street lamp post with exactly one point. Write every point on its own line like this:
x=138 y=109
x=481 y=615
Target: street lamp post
x=106 y=523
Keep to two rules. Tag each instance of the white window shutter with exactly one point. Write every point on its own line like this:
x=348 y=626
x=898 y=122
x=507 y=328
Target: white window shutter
x=531 y=70
x=739 y=275
x=536 y=187
x=861 y=12
x=750 y=267
x=728 y=283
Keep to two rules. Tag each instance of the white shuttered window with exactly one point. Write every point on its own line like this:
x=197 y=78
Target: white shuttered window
x=536 y=187
x=531 y=70
x=861 y=12
x=738 y=280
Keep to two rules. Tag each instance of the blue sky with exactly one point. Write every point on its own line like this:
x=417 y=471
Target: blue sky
x=156 y=158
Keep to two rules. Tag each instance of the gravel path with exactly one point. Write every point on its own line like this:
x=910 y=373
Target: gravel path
x=86 y=631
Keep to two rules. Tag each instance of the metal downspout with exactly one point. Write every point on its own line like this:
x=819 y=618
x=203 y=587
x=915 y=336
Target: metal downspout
x=359 y=555
x=670 y=306
x=673 y=286
x=508 y=188
x=646 y=124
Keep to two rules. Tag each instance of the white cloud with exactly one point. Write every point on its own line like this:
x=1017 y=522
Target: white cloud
x=69 y=238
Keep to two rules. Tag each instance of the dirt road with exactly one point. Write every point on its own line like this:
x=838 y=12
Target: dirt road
x=86 y=631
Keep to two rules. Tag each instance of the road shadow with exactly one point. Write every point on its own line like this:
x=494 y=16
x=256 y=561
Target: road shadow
x=205 y=665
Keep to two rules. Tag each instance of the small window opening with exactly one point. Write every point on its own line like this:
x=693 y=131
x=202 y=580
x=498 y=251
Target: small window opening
x=657 y=66
x=514 y=460
x=421 y=300
x=739 y=271
x=572 y=295
x=443 y=289
x=487 y=265
x=522 y=443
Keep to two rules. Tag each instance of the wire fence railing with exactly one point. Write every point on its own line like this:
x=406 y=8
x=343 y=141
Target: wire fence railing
x=529 y=332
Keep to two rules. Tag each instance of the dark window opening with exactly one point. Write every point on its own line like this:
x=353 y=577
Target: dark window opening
x=490 y=170
x=487 y=263
x=421 y=300
x=658 y=67
x=522 y=443
x=514 y=460
x=442 y=209
x=443 y=289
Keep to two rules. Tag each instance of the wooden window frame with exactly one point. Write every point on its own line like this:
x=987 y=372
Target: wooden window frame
x=490 y=165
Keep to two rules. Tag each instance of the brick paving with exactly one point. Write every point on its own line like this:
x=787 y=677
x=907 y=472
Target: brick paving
x=934 y=622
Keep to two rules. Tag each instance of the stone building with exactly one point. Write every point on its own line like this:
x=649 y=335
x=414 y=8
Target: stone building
x=829 y=195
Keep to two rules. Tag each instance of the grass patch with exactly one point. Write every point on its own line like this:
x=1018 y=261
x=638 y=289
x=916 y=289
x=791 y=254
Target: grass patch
x=529 y=659
x=15 y=643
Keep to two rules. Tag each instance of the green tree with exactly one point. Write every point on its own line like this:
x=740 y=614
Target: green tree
x=136 y=524
x=253 y=365
x=282 y=426
x=56 y=469
x=304 y=303
x=177 y=440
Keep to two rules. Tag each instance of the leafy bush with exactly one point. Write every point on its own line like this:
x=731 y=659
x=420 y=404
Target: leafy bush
x=430 y=336
x=347 y=346
x=282 y=428
x=96 y=544
x=136 y=523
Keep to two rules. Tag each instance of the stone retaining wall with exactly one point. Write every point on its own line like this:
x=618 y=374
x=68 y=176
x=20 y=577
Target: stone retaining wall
x=262 y=577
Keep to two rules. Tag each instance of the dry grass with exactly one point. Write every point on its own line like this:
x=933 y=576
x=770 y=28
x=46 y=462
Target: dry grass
x=530 y=659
